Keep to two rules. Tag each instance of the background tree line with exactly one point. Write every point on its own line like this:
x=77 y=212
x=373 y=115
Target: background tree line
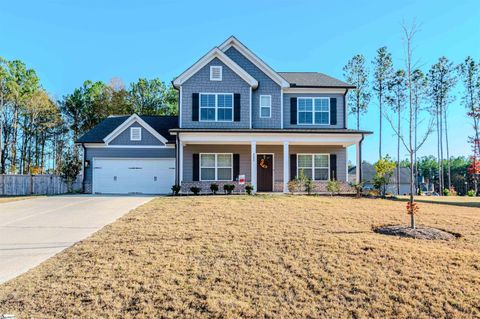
x=418 y=101
x=37 y=131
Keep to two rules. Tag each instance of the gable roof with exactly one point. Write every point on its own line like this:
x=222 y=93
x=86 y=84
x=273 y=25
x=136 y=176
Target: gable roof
x=368 y=173
x=246 y=52
x=212 y=54
x=313 y=80
x=161 y=124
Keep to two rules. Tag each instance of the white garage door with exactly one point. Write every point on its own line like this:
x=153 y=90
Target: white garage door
x=139 y=175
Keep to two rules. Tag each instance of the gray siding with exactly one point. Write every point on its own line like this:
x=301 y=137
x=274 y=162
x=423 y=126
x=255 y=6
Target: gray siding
x=286 y=109
x=242 y=150
x=266 y=86
x=147 y=137
x=340 y=151
x=200 y=83
x=90 y=153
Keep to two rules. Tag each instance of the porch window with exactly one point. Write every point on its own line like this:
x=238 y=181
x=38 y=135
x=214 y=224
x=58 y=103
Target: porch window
x=313 y=110
x=216 y=167
x=314 y=166
x=216 y=107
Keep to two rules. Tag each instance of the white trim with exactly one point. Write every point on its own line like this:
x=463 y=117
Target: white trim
x=95 y=145
x=215 y=168
x=313 y=165
x=180 y=161
x=313 y=90
x=270 y=138
x=281 y=107
x=269 y=106
x=251 y=113
x=212 y=54
x=180 y=107
x=286 y=166
x=132 y=134
x=216 y=107
x=253 y=165
x=219 y=67
x=132 y=119
x=313 y=109
x=232 y=41
x=273 y=168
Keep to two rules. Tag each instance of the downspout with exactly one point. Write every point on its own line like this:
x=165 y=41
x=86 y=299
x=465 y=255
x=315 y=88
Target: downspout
x=83 y=167
x=177 y=160
x=360 y=157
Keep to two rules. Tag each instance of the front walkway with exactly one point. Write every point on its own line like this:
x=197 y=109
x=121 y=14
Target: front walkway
x=33 y=230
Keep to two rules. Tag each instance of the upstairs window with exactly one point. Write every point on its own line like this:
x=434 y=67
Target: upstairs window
x=314 y=166
x=313 y=110
x=215 y=73
x=265 y=106
x=135 y=134
x=216 y=107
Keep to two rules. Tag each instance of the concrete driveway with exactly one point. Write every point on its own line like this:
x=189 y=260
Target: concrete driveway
x=33 y=230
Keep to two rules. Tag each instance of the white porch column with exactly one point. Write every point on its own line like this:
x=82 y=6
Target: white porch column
x=180 y=161
x=358 y=160
x=253 y=150
x=286 y=167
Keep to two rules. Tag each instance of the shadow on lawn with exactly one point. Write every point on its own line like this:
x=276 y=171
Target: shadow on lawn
x=442 y=202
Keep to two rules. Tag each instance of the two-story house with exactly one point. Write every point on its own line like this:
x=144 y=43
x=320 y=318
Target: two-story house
x=237 y=118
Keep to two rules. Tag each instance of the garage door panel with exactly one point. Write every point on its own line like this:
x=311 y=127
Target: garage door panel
x=122 y=176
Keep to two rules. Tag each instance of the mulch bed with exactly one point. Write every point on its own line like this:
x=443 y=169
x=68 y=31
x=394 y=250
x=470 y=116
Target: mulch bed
x=428 y=233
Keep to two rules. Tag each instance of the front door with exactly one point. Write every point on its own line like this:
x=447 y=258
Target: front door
x=265 y=173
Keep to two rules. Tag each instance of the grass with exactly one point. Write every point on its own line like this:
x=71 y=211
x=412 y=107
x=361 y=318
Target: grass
x=262 y=256
x=7 y=199
x=446 y=200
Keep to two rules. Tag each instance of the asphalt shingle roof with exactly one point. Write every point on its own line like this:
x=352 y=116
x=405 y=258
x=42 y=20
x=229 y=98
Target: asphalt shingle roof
x=313 y=79
x=161 y=124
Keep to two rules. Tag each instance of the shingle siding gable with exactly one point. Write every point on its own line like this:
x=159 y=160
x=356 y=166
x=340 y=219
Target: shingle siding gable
x=266 y=86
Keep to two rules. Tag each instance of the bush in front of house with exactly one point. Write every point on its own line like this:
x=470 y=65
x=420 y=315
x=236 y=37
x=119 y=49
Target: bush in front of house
x=195 y=190
x=214 y=188
x=471 y=193
x=176 y=189
x=293 y=186
x=333 y=186
x=249 y=189
x=358 y=187
x=309 y=186
x=228 y=188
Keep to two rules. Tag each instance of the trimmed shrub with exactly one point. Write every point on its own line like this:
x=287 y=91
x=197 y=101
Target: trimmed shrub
x=333 y=186
x=249 y=189
x=195 y=190
x=309 y=186
x=228 y=188
x=358 y=187
x=471 y=193
x=214 y=188
x=293 y=186
x=176 y=189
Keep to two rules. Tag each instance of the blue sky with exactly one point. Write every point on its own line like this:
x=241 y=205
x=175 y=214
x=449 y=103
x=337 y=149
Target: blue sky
x=68 y=42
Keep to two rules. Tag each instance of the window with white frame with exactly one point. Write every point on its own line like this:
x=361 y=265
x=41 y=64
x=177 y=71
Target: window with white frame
x=265 y=106
x=313 y=110
x=216 y=107
x=314 y=166
x=215 y=73
x=135 y=134
x=216 y=167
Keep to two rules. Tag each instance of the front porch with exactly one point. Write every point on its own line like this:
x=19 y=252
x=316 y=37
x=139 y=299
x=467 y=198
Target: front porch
x=267 y=161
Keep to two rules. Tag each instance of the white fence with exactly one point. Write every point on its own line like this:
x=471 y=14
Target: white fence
x=35 y=185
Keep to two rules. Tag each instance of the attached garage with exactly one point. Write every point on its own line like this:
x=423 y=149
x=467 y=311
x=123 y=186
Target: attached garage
x=133 y=176
x=130 y=155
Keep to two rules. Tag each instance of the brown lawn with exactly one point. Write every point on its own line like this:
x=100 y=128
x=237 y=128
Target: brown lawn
x=264 y=256
x=449 y=200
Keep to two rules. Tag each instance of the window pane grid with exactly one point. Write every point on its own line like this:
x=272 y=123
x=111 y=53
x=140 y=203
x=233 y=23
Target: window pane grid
x=216 y=107
x=216 y=167
x=314 y=166
x=313 y=111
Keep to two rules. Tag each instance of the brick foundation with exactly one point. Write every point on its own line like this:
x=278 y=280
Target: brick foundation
x=205 y=187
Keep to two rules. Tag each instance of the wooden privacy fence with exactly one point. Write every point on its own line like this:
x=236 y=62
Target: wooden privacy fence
x=35 y=185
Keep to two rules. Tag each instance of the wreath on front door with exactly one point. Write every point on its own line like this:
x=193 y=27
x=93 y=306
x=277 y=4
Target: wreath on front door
x=263 y=163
